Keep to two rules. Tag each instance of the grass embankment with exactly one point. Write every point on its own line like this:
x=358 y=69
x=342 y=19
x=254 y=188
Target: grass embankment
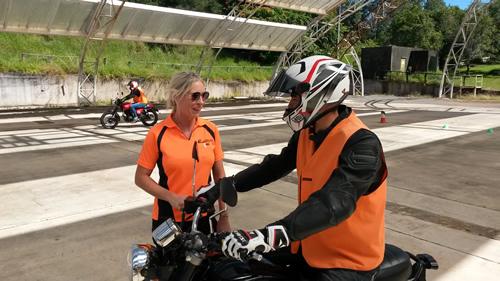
x=34 y=54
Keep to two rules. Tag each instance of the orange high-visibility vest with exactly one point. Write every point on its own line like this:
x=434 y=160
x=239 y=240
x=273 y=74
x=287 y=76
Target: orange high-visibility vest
x=358 y=242
x=141 y=98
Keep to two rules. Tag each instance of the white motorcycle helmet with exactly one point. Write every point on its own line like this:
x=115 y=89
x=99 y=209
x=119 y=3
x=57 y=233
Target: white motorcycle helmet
x=320 y=80
x=132 y=85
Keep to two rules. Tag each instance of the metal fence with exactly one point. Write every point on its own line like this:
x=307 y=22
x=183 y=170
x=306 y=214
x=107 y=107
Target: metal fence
x=461 y=80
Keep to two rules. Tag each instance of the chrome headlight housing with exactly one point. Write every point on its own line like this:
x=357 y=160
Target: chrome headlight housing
x=139 y=260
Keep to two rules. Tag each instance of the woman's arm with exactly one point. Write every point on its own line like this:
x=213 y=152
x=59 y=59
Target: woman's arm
x=144 y=181
x=223 y=223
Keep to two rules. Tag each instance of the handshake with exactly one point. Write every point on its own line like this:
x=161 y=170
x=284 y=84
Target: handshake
x=206 y=196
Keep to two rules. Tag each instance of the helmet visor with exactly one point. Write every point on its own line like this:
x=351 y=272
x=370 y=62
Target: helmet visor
x=282 y=86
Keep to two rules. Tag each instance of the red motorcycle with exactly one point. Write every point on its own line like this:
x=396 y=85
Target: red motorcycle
x=111 y=117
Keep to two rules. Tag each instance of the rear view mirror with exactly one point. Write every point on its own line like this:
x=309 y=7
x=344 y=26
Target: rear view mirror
x=228 y=192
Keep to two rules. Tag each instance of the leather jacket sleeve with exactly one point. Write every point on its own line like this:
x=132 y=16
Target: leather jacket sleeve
x=129 y=96
x=272 y=168
x=360 y=171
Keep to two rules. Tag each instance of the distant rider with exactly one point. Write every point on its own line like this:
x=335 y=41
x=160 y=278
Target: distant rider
x=139 y=98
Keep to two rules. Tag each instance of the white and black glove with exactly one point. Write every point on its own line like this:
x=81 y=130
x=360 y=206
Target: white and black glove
x=241 y=243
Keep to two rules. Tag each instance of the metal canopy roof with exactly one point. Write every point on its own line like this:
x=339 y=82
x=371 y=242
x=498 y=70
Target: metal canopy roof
x=138 y=22
x=321 y=7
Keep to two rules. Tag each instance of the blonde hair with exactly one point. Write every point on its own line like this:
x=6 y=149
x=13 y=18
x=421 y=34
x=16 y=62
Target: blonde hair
x=179 y=85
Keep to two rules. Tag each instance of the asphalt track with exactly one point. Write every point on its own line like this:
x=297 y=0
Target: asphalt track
x=70 y=211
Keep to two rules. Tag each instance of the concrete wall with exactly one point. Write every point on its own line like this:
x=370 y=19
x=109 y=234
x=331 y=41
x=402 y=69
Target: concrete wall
x=373 y=87
x=24 y=91
x=21 y=91
x=27 y=91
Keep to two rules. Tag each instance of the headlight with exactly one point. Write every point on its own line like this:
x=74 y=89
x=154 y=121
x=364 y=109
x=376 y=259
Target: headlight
x=139 y=259
x=166 y=232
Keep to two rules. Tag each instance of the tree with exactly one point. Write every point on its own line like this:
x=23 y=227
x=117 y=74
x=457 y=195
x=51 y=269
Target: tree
x=481 y=43
x=413 y=27
x=447 y=21
x=494 y=13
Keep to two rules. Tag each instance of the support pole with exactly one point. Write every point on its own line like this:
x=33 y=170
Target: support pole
x=100 y=22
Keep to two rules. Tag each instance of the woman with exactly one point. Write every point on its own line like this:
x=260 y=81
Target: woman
x=170 y=145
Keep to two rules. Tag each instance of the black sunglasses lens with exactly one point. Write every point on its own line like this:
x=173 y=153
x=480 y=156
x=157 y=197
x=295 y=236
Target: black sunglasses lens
x=195 y=96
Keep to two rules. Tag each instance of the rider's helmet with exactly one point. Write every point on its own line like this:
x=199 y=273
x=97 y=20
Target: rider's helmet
x=132 y=85
x=319 y=80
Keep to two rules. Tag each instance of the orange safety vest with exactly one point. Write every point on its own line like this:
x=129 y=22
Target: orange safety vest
x=141 y=98
x=358 y=242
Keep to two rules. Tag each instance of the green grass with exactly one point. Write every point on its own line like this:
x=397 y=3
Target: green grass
x=489 y=82
x=490 y=72
x=485 y=69
x=34 y=54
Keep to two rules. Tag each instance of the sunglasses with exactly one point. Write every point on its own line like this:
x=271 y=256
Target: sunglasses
x=196 y=95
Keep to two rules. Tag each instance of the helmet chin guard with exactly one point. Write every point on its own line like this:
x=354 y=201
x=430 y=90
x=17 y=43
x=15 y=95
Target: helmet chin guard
x=320 y=81
x=295 y=118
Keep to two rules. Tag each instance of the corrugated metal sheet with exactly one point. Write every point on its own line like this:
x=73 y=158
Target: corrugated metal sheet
x=146 y=23
x=320 y=7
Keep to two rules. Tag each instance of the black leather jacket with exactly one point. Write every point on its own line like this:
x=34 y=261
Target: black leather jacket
x=134 y=93
x=360 y=171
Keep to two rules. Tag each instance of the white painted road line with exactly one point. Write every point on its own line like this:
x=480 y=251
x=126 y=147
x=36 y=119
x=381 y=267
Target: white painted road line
x=396 y=137
x=60 y=117
x=38 y=139
x=386 y=104
x=461 y=256
x=444 y=207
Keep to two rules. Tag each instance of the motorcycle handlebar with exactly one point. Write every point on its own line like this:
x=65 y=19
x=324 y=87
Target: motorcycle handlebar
x=191 y=204
x=214 y=247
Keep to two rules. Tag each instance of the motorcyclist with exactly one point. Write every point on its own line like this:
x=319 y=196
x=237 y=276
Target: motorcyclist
x=138 y=96
x=337 y=230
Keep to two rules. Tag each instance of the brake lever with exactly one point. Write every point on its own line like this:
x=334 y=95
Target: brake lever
x=256 y=256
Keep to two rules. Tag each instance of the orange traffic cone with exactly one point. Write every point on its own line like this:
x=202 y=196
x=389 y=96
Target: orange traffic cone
x=382 y=117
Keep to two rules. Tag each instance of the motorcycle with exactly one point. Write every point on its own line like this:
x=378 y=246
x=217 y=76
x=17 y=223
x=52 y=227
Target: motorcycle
x=186 y=256
x=111 y=117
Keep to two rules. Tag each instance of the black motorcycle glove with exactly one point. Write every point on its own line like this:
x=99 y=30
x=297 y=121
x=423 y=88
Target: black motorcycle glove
x=192 y=203
x=209 y=196
x=241 y=244
x=213 y=194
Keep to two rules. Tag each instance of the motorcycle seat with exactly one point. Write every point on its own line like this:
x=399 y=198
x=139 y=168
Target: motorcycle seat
x=396 y=265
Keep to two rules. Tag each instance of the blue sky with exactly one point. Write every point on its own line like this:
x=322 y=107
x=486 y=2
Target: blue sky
x=462 y=4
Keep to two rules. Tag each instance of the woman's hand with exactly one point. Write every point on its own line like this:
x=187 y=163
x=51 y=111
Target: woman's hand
x=176 y=200
x=223 y=224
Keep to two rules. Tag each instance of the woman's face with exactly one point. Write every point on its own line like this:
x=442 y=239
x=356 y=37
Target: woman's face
x=187 y=107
